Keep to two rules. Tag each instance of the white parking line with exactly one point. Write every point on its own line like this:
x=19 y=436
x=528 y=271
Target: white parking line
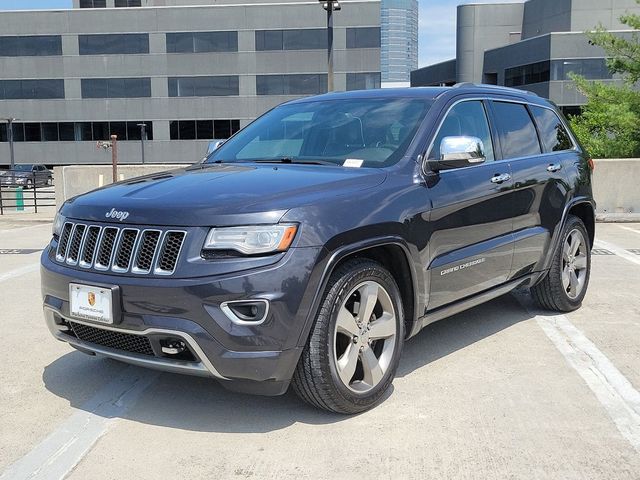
x=20 y=229
x=621 y=252
x=616 y=394
x=624 y=227
x=19 y=271
x=63 y=449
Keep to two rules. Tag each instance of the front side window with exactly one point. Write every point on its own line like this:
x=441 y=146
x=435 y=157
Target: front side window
x=518 y=136
x=369 y=132
x=553 y=134
x=465 y=119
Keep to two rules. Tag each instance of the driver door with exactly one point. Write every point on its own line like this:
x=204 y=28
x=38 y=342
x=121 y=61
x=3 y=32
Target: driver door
x=471 y=245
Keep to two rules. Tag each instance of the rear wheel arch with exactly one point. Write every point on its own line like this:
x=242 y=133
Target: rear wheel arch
x=585 y=212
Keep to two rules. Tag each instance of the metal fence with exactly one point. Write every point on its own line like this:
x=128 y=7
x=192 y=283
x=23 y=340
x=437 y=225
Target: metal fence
x=25 y=190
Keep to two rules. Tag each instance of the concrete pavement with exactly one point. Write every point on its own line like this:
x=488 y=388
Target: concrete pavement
x=489 y=393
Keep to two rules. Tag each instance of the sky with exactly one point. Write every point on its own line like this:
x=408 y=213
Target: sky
x=437 y=32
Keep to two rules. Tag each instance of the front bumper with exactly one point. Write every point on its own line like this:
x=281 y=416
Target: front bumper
x=257 y=359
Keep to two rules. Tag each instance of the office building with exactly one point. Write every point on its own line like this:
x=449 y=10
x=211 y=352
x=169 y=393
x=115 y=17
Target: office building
x=399 y=50
x=533 y=45
x=190 y=70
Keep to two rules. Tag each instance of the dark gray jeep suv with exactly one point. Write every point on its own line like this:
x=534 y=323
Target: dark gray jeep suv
x=312 y=244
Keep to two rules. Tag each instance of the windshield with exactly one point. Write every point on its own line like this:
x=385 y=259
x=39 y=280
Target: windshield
x=360 y=132
x=23 y=168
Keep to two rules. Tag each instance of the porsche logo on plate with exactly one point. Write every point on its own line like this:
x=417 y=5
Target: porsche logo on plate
x=91 y=297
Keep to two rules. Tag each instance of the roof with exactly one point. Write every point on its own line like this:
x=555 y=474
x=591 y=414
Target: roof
x=428 y=93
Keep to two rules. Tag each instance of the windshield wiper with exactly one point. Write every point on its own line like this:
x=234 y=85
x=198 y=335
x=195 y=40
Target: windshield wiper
x=293 y=161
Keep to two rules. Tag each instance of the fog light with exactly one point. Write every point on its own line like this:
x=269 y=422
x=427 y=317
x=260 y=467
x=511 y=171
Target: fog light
x=246 y=312
x=172 y=346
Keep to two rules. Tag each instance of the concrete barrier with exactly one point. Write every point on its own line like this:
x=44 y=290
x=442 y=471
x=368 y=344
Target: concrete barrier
x=616 y=184
x=77 y=179
x=616 y=188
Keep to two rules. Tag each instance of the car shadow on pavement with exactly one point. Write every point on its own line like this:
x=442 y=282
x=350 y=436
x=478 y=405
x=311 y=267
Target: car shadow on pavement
x=200 y=404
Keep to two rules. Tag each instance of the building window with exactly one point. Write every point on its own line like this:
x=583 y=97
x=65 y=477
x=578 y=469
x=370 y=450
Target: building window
x=590 y=68
x=296 y=39
x=202 y=129
x=294 y=84
x=31 y=89
x=93 y=3
x=199 y=42
x=128 y=3
x=363 y=81
x=33 y=46
x=363 y=37
x=116 y=87
x=527 y=74
x=219 y=86
x=113 y=44
x=75 y=131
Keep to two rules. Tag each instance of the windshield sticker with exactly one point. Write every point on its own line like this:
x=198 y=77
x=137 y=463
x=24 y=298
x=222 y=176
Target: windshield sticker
x=353 y=163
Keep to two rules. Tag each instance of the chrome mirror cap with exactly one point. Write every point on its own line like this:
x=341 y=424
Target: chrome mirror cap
x=462 y=150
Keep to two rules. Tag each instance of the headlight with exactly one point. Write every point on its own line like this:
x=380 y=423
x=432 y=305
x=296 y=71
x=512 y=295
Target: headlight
x=58 y=223
x=251 y=240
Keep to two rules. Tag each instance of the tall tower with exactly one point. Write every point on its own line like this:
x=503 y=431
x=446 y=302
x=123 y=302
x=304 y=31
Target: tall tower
x=399 y=49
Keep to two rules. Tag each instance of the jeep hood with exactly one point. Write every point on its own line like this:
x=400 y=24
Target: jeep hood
x=224 y=194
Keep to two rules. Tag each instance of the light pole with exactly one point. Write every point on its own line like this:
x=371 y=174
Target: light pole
x=10 y=138
x=143 y=137
x=330 y=6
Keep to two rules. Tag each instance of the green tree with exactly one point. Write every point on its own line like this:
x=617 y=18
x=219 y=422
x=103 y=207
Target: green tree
x=609 y=125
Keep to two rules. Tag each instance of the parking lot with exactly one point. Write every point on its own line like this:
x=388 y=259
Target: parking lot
x=500 y=391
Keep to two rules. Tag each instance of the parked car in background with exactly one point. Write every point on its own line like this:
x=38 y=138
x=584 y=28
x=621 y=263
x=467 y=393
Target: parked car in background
x=27 y=175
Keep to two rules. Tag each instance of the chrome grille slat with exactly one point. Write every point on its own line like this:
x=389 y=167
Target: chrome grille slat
x=120 y=249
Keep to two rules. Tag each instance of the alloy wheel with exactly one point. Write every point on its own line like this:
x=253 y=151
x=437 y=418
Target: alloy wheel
x=574 y=263
x=364 y=337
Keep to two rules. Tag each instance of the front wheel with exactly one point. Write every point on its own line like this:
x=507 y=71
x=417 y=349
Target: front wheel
x=565 y=285
x=355 y=344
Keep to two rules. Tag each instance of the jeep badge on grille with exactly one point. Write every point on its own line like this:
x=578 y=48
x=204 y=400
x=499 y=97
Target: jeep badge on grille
x=121 y=216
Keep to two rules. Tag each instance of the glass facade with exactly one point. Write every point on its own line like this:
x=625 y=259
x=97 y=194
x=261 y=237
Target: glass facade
x=294 y=84
x=31 y=89
x=127 y=3
x=75 y=131
x=116 y=87
x=113 y=44
x=399 y=34
x=296 y=39
x=363 y=81
x=527 y=74
x=219 y=86
x=31 y=46
x=203 y=129
x=363 y=37
x=590 y=68
x=198 y=42
x=93 y=3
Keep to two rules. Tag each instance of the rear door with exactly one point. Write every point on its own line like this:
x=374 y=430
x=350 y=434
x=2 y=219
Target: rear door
x=471 y=245
x=532 y=138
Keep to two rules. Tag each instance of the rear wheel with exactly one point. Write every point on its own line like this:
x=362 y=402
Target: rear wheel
x=565 y=285
x=355 y=344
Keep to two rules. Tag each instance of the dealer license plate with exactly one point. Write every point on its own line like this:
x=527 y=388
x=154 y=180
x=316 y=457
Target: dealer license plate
x=91 y=303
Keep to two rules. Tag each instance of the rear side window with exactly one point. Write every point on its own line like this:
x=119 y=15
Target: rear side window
x=553 y=134
x=465 y=119
x=518 y=136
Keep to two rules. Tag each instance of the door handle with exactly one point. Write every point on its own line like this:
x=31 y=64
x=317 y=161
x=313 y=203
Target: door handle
x=501 y=178
x=554 y=167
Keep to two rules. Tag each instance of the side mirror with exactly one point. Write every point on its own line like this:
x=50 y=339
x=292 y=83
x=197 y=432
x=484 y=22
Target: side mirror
x=456 y=152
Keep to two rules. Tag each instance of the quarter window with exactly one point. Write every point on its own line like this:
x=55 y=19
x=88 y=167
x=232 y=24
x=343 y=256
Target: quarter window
x=553 y=134
x=465 y=119
x=518 y=136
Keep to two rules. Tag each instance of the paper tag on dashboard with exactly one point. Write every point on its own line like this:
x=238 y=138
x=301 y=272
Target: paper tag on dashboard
x=353 y=163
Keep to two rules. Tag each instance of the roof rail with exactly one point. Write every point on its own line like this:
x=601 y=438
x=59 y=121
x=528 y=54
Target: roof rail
x=493 y=87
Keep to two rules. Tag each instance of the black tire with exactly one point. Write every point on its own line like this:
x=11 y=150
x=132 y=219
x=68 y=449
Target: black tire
x=550 y=293
x=316 y=379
